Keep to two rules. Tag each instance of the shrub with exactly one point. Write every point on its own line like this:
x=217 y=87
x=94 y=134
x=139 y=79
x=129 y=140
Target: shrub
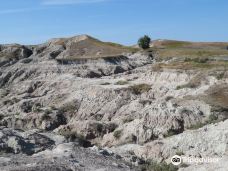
x=37 y=109
x=168 y=98
x=121 y=82
x=197 y=126
x=117 y=134
x=127 y=120
x=47 y=111
x=99 y=128
x=183 y=165
x=72 y=136
x=188 y=85
x=140 y=88
x=196 y=60
x=144 y=42
x=45 y=116
x=17 y=114
x=70 y=107
x=211 y=120
x=170 y=133
x=105 y=83
x=220 y=76
x=1 y=117
x=180 y=153
x=201 y=60
x=154 y=166
x=4 y=93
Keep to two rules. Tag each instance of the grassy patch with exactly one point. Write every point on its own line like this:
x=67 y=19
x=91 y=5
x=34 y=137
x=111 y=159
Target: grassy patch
x=140 y=88
x=190 y=52
x=192 y=65
x=175 y=44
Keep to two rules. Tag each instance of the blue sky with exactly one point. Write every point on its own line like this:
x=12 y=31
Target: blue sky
x=122 y=21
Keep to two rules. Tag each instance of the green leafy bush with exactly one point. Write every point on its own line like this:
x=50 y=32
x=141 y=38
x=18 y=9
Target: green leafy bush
x=144 y=42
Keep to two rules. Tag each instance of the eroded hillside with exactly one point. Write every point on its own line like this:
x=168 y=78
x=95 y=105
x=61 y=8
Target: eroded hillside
x=124 y=107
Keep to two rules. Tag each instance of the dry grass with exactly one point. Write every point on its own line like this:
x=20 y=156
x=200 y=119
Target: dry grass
x=182 y=49
x=217 y=96
x=192 y=65
x=93 y=48
x=121 y=82
x=140 y=88
x=192 y=53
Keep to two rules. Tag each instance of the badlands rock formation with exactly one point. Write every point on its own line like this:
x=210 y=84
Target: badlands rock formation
x=82 y=104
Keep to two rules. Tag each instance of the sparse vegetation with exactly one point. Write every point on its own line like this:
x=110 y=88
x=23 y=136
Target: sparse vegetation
x=191 y=52
x=170 y=133
x=211 y=120
x=17 y=114
x=140 y=88
x=74 y=136
x=197 y=60
x=154 y=166
x=121 y=82
x=70 y=107
x=45 y=116
x=96 y=49
x=117 y=134
x=180 y=153
x=1 y=117
x=127 y=120
x=180 y=65
x=47 y=111
x=220 y=75
x=37 y=109
x=168 y=98
x=99 y=127
x=4 y=93
x=183 y=165
x=188 y=85
x=53 y=108
x=105 y=83
x=144 y=42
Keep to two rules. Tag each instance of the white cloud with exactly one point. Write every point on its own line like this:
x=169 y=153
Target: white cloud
x=69 y=2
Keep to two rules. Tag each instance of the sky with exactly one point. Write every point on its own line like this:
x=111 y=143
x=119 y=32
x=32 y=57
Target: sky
x=121 y=21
